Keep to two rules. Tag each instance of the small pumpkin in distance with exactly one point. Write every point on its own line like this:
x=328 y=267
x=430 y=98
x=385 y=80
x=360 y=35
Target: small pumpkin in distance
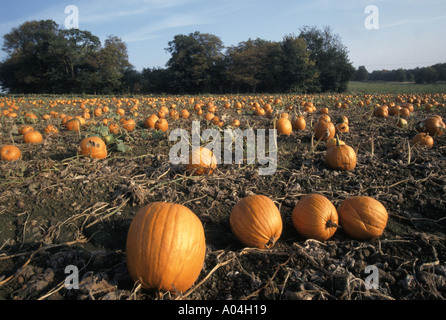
x=165 y=247
x=10 y=153
x=362 y=217
x=256 y=221
x=315 y=217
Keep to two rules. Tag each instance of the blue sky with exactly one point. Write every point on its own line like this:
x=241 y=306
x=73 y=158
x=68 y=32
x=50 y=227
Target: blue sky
x=410 y=33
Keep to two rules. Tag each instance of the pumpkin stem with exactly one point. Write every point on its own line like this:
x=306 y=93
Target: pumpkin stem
x=270 y=243
x=331 y=224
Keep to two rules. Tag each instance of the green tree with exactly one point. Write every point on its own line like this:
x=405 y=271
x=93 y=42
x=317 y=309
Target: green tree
x=25 y=70
x=299 y=72
x=109 y=65
x=42 y=58
x=331 y=57
x=361 y=74
x=195 y=60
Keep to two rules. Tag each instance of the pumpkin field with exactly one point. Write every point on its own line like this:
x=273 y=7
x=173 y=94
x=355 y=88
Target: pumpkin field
x=355 y=210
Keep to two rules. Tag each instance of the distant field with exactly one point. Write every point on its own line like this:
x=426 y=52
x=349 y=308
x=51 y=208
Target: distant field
x=394 y=88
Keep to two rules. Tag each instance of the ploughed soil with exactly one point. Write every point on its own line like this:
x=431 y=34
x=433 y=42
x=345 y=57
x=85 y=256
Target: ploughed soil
x=58 y=209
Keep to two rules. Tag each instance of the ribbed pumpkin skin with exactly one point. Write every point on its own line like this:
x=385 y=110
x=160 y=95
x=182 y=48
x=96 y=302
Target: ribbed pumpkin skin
x=256 y=221
x=311 y=217
x=341 y=157
x=206 y=164
x=362 y=217
x=165 y=247
x=10 y=153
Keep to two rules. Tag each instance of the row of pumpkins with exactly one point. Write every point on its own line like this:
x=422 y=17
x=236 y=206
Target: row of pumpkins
x=166 y=246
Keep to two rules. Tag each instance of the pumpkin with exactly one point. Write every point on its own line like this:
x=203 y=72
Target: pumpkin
x=10 y=153
x=256 y=221
x=341 y=157
x=73 y=124
x=184 y=114
x=342 y=119
x=50 y=129
x=324 y=130
x=94 y=147
x=161 y=124
x=114 y=128
x=423 y=139
x=381 y=111
x=342 y=127
x=33 y=137
x=235 y=123
x=283 y=126
x=333 y=142
x=128 y=124
x=362 y=217
x=97 y=112
x=149 y=123
x=315 y=217
x=165 y=247
x=299 y=123
x=201 y=161
x=434 y=125
x=25 y=128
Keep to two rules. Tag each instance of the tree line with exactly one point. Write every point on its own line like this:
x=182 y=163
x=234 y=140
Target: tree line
x=44 y=58
x=431 y=74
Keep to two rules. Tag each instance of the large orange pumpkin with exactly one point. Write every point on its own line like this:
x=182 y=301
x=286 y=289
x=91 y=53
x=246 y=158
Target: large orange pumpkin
x=94 y=147
x=32 y=137
x=324 y=130
x=315 y=217
x=150 y=121
x=10 y=153
x=201 y=161
x=299 y=123
x=423 y=139
x=283 y=126
x=362 y=217
x=341 y=157
x=165 y=247
x=256 y=221
x=434 y=125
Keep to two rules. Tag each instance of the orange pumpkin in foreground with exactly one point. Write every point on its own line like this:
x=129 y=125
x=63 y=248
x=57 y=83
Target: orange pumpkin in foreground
x=341 y=157
x=201 y=161
x=423 y=139
x=93 y=147
x=165 y=247
x=324 y=130
x=362 y=217
x=256 y=221
x=315 y=217
x=32 y=137
x=10 y=153
x=283 y=126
